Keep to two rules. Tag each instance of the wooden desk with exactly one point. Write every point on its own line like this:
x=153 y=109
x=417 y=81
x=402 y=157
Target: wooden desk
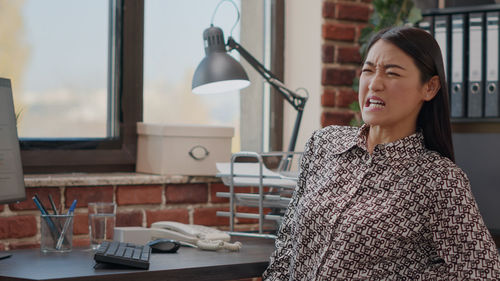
x=186 y=264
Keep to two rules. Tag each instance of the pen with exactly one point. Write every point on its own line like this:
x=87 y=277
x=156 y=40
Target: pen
x=50 y=223
x=53 y=205
x=66 y=225
x=41 y=207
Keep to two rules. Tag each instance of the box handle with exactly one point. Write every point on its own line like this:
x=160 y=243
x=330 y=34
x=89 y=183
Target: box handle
x=198 y=152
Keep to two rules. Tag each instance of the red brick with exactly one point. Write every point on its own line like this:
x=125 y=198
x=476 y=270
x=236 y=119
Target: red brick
x=244 y=189
x=2 y=247
x=348 y=55
x=337 y=76
x=81 y=224
x=17 y=227
x=136 y=195
x=338 y=31
x=180 y=215
x=81 y=242
x=23 y=245
x=187 y=193
x=86 y=194
x=207 y=216
x=345 y=97
x=328 y=10
x=342 y=118
x=328 y=98
x=1 y=208
x=43 y=194
x=133 y=218
x=355 y=12
x=327 y=53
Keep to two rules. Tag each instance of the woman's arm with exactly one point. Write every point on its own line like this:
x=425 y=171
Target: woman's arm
x=459 y=234
x=280 y=260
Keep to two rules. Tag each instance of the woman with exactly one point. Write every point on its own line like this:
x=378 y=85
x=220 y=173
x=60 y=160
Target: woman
x=386 y=201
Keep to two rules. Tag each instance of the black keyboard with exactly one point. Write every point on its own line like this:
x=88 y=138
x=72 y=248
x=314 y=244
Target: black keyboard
x=121 y=253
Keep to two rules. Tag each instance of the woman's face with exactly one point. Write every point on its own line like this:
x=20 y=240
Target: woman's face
x=390 y=91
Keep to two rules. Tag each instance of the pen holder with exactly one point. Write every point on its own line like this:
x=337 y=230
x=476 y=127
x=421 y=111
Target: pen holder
x=56 y=233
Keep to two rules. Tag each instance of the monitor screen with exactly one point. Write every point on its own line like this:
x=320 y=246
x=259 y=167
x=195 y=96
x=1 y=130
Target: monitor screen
x=11 y=173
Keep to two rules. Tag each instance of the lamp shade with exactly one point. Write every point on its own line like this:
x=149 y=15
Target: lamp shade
x=218 y=72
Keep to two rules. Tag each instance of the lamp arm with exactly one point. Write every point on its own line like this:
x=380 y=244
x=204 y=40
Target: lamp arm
x=297 y=101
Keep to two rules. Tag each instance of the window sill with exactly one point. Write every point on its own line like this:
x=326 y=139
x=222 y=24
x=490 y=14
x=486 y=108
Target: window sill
x=99 y=179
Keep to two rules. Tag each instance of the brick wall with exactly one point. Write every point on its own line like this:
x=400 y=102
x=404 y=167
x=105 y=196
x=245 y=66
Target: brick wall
x=137 y=205
x=342 y=24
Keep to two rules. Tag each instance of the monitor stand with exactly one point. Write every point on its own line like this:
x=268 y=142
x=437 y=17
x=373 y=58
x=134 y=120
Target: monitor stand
x=4 y=255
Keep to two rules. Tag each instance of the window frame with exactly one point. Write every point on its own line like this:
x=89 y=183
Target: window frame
x=120 y=154
x=103 y=155
x=278 y=68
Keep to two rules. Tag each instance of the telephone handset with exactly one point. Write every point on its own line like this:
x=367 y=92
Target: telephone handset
x=203 y=237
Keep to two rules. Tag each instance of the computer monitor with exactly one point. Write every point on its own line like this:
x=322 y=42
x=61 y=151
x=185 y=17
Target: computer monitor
x=11 y=170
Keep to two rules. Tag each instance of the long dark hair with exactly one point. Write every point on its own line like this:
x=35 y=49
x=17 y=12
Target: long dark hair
x=434 y=116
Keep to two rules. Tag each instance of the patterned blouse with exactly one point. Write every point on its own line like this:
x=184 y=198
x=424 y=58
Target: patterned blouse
x=402 y=213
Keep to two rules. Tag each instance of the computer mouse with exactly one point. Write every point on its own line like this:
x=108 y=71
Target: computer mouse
x=164 y=246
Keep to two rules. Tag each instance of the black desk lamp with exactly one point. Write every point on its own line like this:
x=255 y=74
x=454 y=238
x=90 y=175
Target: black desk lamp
x=219 y=72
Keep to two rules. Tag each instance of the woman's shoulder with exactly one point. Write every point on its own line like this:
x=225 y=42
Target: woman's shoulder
x=441 y=169
x=336 y=133
x=335 y=138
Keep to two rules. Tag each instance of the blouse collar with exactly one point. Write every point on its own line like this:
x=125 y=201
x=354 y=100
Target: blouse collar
x=407 y=147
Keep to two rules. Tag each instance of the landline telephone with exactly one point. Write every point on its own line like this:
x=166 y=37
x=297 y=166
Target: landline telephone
x=203 y=237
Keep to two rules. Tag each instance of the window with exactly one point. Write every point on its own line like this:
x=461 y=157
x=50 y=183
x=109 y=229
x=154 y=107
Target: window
x=108 y=86
x=74 y=115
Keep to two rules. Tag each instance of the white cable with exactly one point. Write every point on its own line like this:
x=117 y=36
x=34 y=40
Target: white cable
x=218 y=245
x=210 y=245
x=237 y=14
x=233 y=247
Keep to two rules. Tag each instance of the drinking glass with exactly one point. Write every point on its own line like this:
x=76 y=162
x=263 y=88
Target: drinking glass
x=101 y=222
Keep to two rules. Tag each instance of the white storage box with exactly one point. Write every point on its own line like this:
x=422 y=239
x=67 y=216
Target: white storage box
x=182 y=149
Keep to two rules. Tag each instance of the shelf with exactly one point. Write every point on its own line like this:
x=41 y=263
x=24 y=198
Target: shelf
x=249 y=216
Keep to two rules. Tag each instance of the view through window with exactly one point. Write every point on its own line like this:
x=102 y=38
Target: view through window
x=56 y=54
x=173 y=48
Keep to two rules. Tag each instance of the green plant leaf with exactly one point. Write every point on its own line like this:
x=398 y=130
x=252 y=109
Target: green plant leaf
x=354 y=106
x=378 y=5
x=355 y=85
x=415 y=15
x=365 y=35
x=353 y=122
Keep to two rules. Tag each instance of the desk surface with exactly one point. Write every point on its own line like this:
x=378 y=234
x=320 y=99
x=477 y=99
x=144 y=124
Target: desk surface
x=186 y=264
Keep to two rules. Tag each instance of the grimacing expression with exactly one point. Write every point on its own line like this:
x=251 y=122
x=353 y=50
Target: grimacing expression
x=391 y=93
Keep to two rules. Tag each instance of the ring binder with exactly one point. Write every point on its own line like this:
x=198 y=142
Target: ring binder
x=457 y=76
x=440 y=36
x=491 y=104
x=475 y=91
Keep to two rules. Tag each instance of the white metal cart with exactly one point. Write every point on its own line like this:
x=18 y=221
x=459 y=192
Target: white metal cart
x=280 y=183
